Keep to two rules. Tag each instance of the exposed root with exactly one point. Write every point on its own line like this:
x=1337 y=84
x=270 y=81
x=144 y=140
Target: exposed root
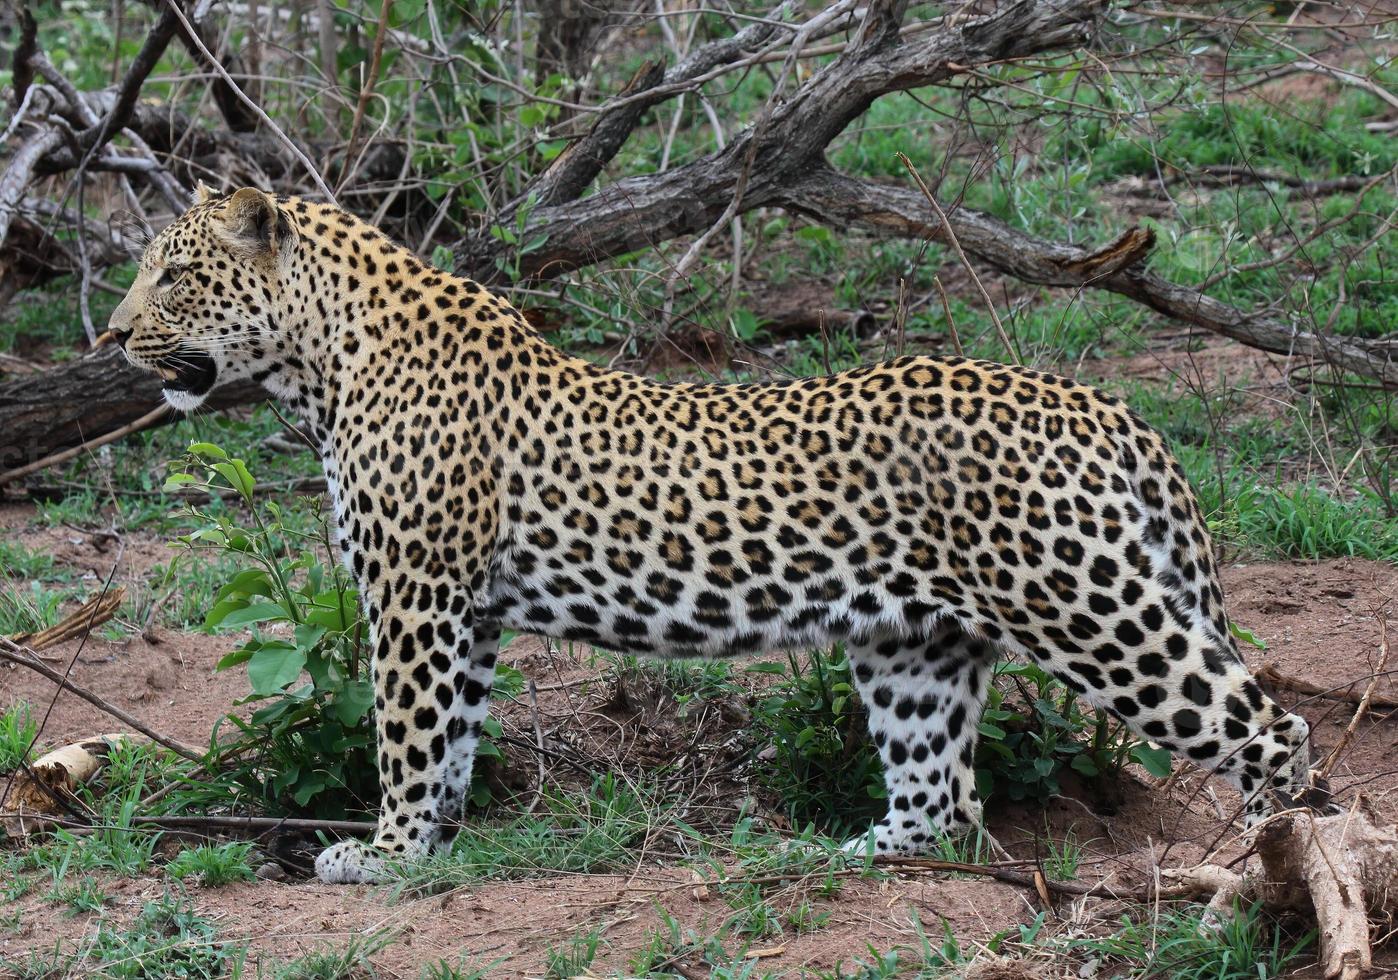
x=1341 y=868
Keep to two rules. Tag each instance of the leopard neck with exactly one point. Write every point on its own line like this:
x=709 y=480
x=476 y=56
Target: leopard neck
x=363 y=314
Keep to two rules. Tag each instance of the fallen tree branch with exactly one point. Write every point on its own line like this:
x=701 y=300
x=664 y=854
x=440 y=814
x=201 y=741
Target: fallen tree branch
x=83 y=399
x=789 y=171
x=150 y=418
x=80 y=622
x=885 y=209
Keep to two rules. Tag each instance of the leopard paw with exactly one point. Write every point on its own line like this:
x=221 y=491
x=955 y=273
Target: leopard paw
x=350 y=863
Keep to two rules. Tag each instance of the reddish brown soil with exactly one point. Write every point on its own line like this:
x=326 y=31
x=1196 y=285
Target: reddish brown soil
x=1320 y=622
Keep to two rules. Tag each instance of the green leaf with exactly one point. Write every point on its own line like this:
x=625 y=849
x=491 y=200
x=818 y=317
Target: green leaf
x=176 y=481
x=1246 y=635
x=274 y=667
x=1155 y=760
x=308 y=635
x=239 y=656
x=207 y=449
x=222 y=609
x=1083 y=763
x=238 y=477
x=260 y=612
x=991 y=731
x=354 y=702
x=253 y=581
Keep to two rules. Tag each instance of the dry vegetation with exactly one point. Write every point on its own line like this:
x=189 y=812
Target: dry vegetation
x=1190 y=204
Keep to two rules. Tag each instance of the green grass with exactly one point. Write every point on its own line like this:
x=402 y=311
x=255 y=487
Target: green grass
x=461 y=970
x=28 y=607
x=168 y=939
x=211 y=866
x=18 y=730
x=1246 y=945
x=347 y=962
x=81 y=896
x=21 y=562
x=1308 y=521
x=594 y=831
x=575 y=957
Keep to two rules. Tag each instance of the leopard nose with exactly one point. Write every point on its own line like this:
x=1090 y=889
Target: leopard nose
x=121 y=337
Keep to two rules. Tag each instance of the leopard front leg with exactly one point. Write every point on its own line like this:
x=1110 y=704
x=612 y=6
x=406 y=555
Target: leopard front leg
x=433 y=669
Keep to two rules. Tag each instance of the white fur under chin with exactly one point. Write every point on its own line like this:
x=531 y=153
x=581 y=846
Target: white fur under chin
x=183 y=401
x=349 y=863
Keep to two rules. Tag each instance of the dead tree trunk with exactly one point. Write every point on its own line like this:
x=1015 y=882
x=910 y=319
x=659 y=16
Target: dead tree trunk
x=82 y=399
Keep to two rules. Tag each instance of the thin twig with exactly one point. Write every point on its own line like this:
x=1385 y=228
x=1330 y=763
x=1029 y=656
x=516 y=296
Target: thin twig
x=366 y=93
x=956 y=246
x=262 y=116
x=1269 y=674
x=539 y=746
x=229 y=822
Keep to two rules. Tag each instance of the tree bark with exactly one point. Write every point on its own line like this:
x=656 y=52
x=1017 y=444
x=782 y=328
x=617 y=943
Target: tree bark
x=81 y=399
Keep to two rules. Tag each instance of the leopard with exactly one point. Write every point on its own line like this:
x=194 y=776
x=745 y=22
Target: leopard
x=933 y=514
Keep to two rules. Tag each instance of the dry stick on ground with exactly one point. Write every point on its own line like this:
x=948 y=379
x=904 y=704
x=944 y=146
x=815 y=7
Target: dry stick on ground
x=897 y=865
x=13 y=653
x=1340 y=867
x=1269 y=674
x=94 y=612
x=231 y=822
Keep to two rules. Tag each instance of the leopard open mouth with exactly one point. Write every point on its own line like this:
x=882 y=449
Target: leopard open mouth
x=191 y=371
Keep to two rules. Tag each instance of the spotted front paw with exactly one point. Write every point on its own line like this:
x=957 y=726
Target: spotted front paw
x=350 y=863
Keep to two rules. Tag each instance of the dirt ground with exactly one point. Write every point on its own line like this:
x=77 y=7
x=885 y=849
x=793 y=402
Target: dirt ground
x=1320 y=622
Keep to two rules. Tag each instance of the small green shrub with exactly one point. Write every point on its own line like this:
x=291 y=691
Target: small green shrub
x=1028 y=741
x=309 y=747
x=824 y=765
x=1032 y=730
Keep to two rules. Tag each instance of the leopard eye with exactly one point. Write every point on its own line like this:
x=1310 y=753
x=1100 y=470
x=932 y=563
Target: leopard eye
x=171 y=275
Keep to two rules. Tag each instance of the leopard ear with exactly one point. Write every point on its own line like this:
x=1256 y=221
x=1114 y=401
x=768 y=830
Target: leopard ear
x=251 y=222
x=203 y=193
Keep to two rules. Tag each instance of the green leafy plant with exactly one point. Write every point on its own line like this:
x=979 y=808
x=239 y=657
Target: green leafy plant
x=1033 y=728
x=823 y=762
x=308 y=747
